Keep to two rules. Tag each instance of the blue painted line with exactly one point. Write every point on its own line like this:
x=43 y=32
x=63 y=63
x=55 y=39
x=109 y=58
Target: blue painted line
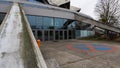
x=96 y=47
x=81 y=47
x=103 y=49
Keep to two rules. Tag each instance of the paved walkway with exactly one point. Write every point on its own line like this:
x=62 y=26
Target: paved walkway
x=81 y=54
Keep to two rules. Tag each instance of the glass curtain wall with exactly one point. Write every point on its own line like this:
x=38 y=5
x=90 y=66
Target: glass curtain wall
x=48 y=23
x=41 y=22
x=59 y=23
x=50 y=28
x=35 y=22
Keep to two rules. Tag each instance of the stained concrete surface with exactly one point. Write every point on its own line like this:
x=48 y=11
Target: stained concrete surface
x=10 y=40
x=57 y=53
x=16 y=48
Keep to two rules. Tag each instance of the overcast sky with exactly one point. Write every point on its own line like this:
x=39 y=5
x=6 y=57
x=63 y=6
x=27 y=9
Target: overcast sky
x=87 y=6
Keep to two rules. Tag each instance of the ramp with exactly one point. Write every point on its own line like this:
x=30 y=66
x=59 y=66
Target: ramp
x=18 y=48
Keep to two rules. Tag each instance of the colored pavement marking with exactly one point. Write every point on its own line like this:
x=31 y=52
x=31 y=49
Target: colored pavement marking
x=91 y=48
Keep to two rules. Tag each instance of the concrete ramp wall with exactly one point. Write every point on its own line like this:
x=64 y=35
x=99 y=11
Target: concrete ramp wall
x=18 y=47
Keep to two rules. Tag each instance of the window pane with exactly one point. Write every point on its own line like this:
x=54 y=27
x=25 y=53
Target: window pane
x=59 y=23
x=72 y=25
x=39 y=22
x=32 y=21
x=48 y=23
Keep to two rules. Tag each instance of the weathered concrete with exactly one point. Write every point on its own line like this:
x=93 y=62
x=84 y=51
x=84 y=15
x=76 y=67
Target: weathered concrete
x=10 y=40
x=72 y=59
x=39 y=57
x=18 y=47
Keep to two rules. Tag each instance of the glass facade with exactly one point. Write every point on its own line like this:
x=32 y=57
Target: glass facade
x=48 y=23
x=72 y=25
x=59 y=23
x=41 y=22
x=51 y=28
x=35 y=21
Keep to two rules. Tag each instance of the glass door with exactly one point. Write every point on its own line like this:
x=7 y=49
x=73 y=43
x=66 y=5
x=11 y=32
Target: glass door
x=61 y=35
x=39 y=35
x=65 y=34
x=57 y=35
x=46 y=35
x=51 y=35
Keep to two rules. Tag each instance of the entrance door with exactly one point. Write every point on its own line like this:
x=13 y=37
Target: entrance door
x=39 y=35
x=46 y=35
x=69 y=34
x=57 y=34
x=61 y=34
x=65 y=34
x=51 y=35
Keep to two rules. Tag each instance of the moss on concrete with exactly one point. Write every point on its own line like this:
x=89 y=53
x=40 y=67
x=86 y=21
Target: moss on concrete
x=28 y=54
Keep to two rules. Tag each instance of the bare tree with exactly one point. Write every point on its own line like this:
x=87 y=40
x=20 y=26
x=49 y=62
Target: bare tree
x=108 y=12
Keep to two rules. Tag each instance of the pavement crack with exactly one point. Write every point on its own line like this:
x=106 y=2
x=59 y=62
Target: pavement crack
x=88 y=58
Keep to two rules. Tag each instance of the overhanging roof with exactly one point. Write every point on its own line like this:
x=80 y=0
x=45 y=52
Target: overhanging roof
x=52 y=11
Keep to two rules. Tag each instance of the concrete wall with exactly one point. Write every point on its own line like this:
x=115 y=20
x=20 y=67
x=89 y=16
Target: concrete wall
x=47 y=12
x=40 y=10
